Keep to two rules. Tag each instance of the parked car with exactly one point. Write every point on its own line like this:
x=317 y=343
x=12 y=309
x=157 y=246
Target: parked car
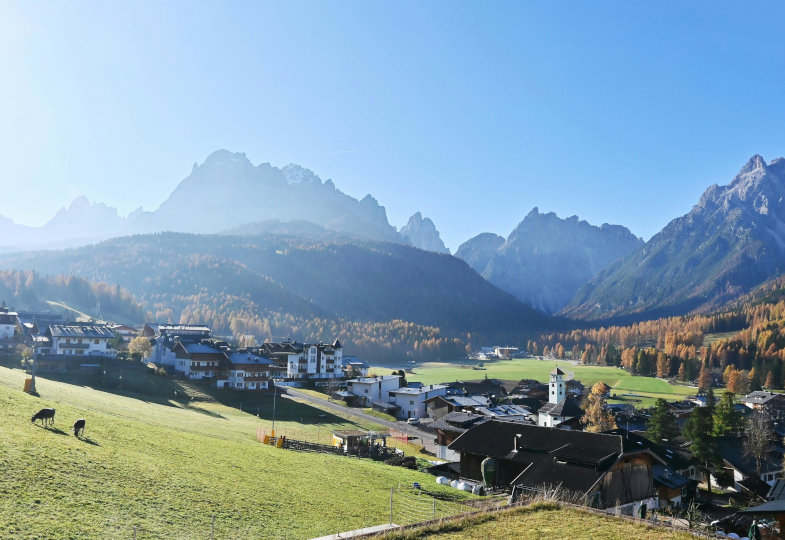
x=413 y=421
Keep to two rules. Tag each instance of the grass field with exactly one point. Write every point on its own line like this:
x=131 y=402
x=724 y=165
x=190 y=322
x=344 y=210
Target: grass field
x=166 y=469
x=620 y=380
x=542 y=520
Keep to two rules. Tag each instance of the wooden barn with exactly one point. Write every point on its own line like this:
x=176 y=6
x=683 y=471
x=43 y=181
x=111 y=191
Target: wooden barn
x=599 y=467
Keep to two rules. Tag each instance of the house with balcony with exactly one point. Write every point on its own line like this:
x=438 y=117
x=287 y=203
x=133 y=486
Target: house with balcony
x=370 y=390
x=411 y=402
x=293 y=360
x=76 y=339
x=247 y=371
x=8 y=323
x=202 y=360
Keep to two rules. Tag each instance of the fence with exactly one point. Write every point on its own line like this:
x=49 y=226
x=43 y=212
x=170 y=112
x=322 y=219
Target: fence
x=414 y=505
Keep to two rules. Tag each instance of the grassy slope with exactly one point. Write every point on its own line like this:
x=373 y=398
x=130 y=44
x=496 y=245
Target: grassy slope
x=167 y=469
x=530 y=368
x=545 y=520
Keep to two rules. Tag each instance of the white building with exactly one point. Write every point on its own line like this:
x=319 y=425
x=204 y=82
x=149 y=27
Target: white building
x=76 y=339
x=166 y=337
x=560 y=407
x=247 y=371
x=370 y=389
x=199 y=360
x=305 y=361
x=411 y=401
x=8 y=321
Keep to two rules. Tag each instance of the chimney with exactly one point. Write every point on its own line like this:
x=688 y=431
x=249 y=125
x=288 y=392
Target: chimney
x=516 y=442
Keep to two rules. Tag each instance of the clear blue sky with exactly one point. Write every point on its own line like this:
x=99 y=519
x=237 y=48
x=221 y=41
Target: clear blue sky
x=471 y=112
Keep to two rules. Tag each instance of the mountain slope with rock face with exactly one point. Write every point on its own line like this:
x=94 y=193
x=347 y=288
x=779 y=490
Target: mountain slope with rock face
x=546 y=259
x=227 y=190
x=730 y=242
x=421 y=233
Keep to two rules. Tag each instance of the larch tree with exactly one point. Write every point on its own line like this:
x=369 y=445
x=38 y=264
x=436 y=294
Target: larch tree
x=769 y=384
x=682 y=373
x=597 y=417
x=704 y=378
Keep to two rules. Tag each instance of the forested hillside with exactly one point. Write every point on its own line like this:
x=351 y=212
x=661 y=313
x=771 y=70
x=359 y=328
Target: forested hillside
x=744 y=342
x=29 y=290
x=382 y=299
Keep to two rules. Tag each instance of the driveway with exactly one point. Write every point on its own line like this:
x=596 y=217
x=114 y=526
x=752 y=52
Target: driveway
x=425 y=438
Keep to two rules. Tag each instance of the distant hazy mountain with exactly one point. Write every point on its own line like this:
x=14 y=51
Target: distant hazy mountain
x=383 y=298
x=731 y=241
x=82 y=222
x=421 y=233
x=225 y=192
x=478 y=251
x=546 y=259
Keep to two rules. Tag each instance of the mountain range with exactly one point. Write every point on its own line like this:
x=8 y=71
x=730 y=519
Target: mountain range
x=732 y=241
x=545 y=259
x=227 y=193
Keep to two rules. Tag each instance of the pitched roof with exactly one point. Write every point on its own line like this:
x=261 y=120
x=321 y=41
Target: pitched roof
x=557 y=371
x=458 y=421
x=80 y=330
x=497 y=438
x=732 y=450
x=759 y=398
x=245 y=358
x=668 y=477
x=576 y=460
x=567 y=407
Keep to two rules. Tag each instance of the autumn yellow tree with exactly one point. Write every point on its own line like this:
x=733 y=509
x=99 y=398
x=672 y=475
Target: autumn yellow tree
x=704 y=378
x=597 y=417
x=769 y=384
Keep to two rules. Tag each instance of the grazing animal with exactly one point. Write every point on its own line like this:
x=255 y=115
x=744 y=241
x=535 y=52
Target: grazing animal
x=79 y=427
x=46 y=416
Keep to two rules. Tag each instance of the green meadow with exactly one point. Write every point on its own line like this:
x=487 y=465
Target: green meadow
x=166 y=469
x=621 y=381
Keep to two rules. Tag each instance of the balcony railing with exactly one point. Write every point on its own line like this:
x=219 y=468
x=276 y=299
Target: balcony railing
x=74 y=346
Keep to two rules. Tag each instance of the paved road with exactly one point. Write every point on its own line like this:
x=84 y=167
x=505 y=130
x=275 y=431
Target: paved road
x=425 y=438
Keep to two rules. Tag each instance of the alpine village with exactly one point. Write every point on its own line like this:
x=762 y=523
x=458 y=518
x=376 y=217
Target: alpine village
x=487 y=271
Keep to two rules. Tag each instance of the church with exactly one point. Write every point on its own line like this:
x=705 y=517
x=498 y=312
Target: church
x=560 y=407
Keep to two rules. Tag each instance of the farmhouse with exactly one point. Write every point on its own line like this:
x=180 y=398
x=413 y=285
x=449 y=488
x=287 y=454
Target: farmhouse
x=768 y=402
x=165 y=338
x=449 y=427
x=598 y=466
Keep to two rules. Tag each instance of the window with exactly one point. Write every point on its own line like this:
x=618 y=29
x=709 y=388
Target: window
x=79 y=341
x=96 y=341
x=411 y=402
x=366 y=390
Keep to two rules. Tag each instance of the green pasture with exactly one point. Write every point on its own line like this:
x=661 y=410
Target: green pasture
x=167 y=467
x=621 y=381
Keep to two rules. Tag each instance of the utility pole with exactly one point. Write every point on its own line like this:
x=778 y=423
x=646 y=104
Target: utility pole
x=275 y=391
x=35 y=365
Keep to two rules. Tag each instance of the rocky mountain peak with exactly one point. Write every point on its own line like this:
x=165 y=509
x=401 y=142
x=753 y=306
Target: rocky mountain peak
x=421 y=233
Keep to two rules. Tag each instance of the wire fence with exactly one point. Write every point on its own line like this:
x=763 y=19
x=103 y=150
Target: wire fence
x=414 y=505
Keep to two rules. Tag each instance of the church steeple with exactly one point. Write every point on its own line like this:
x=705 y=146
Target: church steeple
x=556 y=387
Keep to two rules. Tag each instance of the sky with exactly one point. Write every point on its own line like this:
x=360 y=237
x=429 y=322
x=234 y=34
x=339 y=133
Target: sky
x=470 y=112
